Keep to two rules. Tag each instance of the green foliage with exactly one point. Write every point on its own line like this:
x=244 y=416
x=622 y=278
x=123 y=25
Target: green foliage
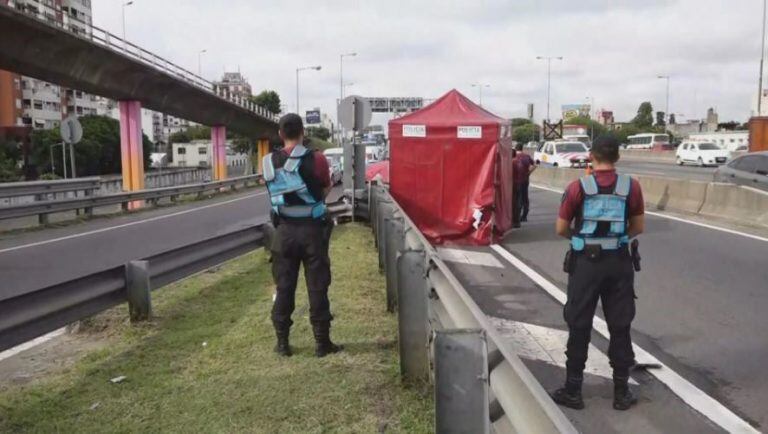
x=644 y=118
x=319 y=144
x=526 y=133
x=321 y=133
x=97 y=154
x=269 y=99
x=518 y=122
x=594 y=128
x=10 y=154
x=626 y=131
x=197 y=132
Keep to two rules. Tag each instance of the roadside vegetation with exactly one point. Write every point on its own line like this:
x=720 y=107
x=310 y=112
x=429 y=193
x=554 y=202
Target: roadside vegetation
x=205 y=363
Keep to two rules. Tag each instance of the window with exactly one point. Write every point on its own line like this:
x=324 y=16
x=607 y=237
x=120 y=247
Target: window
x=182 y=151
x=38 y=105
x=746 y=164
x=202 y=150
x=762 y=165
x=685 y=147
x=709 y=147
x=18 y=104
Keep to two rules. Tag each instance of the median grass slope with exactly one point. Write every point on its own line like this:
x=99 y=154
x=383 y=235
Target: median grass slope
x=205 y=363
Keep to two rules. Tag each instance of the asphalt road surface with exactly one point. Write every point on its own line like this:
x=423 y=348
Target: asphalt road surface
x=694 y=173
x=702 y=301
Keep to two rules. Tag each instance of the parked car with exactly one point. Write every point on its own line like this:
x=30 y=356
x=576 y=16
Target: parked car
x=334 y=168
x=702 y=154
x=563 y=154
x=749 y=170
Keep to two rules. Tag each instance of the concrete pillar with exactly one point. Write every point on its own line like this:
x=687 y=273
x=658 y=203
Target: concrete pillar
x=263 y=149
x=131 y=148
x=218 y=142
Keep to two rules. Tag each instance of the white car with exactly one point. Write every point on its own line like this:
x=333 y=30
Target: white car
x=701 y=154
x=334 y=168
x=563 y=154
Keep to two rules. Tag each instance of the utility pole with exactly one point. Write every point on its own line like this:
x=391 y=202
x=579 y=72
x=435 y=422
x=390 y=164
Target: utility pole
x=341 y=87
x=480 y=87
x=762 y=60
x=303 y=68
x=125 y=43
x=549 y=77
x=200 y=62
x=666 y=109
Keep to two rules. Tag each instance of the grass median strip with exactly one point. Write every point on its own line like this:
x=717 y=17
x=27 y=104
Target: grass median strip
x=205 y=363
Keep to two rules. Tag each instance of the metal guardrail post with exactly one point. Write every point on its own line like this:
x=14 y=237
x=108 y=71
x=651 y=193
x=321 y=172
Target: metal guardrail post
x=461 y=381
x=138 y=290
x=395 y=243
x=385 y=211
x=412 y=315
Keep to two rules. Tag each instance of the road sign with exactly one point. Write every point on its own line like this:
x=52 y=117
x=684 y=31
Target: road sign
x=355 y=113
x=71 y=130
x=553 y=131
x=313 y=117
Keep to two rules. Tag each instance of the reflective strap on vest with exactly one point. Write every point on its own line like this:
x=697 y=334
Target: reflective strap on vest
x=302 y=211
x=578 y=243
x=603 y=208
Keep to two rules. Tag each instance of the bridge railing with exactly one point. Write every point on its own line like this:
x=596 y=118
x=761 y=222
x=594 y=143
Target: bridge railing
x=56 y=17
x=445 y=337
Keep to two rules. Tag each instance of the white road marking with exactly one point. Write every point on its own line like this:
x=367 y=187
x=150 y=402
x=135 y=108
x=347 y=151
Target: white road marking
x=679 y=219
x=536 y=342
x=29 y=344
x=469 y=257
x=692 y=395
x=138 y=222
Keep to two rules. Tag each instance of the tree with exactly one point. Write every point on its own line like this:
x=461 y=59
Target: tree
x=526 y=133
x=269 y=99
x=644 y=118
x=321 y=133
x=518 y=122
x=197 y=132
x=98 y=153
x=728 y=126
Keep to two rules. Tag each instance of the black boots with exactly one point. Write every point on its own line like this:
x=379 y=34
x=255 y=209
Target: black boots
x=282 y=348
x=570 y=394
x=323 y=344
x=623 y=398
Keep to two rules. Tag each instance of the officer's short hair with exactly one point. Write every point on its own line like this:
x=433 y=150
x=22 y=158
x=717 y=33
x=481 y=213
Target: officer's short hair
x=291 y=126
x=605 y=148
x=519 y=146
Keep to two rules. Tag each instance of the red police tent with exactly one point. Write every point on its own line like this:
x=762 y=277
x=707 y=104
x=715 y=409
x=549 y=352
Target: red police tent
x=451 y=170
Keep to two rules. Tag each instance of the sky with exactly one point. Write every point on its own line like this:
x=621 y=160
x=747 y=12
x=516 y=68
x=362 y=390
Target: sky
x=613 y=50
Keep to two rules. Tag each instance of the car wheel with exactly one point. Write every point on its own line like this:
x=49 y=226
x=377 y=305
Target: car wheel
x=679 y=161
x=554 y=164
x=701 y=162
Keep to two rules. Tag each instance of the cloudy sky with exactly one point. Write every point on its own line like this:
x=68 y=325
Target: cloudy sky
x=613 y=49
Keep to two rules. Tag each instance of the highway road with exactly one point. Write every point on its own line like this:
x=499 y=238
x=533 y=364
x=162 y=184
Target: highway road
x=648 y=168
x=702 y=301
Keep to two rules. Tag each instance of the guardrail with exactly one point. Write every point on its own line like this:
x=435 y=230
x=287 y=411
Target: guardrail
x=39 y=188
x=30 y=314
x=43 y=208
x=54 y=16
x=445 y=336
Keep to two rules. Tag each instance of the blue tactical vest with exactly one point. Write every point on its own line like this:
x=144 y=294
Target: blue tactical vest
x=604 y=216
x=286 y=180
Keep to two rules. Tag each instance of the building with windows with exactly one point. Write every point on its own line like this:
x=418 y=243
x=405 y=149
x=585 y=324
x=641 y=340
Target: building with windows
x=26 y=101
x=199 y=153
x=233 y=85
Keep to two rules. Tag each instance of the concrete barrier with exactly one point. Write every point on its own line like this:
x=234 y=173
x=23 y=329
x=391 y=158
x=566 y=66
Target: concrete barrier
x=648 y=155
x=742 y=205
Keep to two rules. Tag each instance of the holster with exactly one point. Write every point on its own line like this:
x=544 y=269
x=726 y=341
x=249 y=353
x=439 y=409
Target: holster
x=569 y=262
x=593 y=252
x=634 y=249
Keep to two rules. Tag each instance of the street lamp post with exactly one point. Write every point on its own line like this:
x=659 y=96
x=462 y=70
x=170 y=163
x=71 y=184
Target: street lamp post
x=549 y=76
x=591 y=100
x=762 y=60
x=200 y=62
x=666 y=109
x=480 y=87
x=303 y=68
x=341 y=85
x=125 y=4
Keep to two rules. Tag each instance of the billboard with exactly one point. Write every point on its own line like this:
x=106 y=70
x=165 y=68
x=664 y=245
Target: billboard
x=313 y=117
x=395 y=105
x=571 y=111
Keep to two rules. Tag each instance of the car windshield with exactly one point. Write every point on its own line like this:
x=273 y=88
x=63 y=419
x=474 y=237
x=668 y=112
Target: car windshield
x=571 y=147
x=709 y=147
x=663 y=138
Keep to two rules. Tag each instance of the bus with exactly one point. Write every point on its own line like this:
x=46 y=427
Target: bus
x=650 y=141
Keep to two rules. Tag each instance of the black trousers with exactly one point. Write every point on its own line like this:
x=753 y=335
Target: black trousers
x=295 y=244
x=522 y=204
x=611 y=280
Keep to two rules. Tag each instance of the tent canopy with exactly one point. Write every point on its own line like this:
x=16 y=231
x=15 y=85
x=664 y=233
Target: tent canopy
x=445 y=164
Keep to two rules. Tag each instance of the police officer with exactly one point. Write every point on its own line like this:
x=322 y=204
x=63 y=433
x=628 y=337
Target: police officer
x=607 y=211
x=298 y=180
x=523 y=168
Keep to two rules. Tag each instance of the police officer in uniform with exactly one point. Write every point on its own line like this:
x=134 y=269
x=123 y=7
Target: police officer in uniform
x=298 y=181
x=607 y=211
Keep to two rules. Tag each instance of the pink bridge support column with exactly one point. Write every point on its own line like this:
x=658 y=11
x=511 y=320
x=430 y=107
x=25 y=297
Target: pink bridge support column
x=131 y=148
x=218 y=141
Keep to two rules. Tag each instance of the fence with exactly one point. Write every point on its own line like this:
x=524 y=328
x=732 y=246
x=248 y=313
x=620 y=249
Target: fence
x=43 y=208
x=444 y=336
